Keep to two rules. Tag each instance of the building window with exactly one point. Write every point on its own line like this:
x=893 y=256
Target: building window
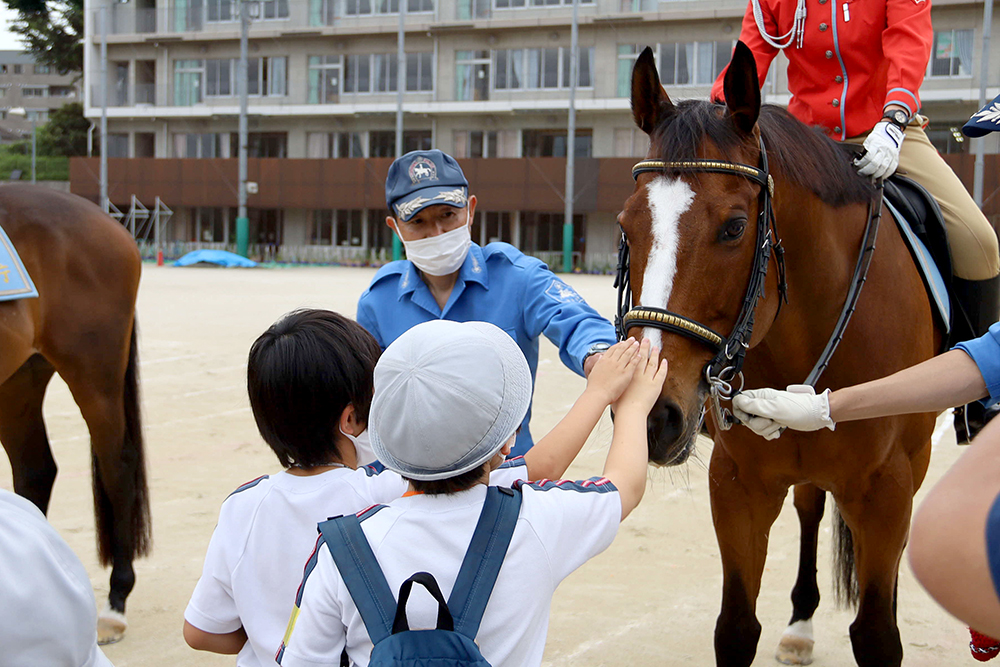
x=520 y=69
x=18 y=69
x=322 y=145
x=382 y=143
x=322 y=12
x=630 y=142
x=693 y=63
x=188 y=75
x=521 y=4
x=61 y=91
x=627 y=53
x=117 y=144
x=264 y=144
x=3 y=91
x=39 y=115
x=552 y=143
x=34 y=91
x=369 y=7
x=219 y=78
x=267 y=76
x=43 y=69
x=951 y=55
x=324 y=79
x=202 y=145
x=209 y=225
x=949 y=141
x=274 y=9
x=497 y=228
x=543 y=232
x=376 y=73
x=472 y=75
x=219 y=10
x=335 y=227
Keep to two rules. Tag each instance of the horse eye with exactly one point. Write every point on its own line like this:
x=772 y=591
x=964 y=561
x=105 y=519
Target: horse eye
x=734 y=229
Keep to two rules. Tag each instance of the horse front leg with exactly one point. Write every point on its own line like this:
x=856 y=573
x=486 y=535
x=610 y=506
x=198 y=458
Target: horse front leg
x=879 y=522
x=796 y=645
x=743 y=509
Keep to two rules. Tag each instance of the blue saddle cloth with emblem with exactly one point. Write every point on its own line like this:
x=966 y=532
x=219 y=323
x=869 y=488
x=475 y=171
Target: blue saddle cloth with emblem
x=15 y=283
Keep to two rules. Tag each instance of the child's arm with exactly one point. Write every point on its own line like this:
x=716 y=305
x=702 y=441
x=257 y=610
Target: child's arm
x=551 y=455
x=627 y=458
x=230 y=643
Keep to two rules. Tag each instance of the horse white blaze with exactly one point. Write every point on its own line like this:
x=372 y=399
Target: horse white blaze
x=668 y=200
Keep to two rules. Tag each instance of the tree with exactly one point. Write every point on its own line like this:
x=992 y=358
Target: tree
x=65 y=133
x=52 y=32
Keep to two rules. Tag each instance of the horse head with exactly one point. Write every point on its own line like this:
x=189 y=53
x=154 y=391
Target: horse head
x=692 y=233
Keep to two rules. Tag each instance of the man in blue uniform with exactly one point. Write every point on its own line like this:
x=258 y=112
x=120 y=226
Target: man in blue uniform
x=447 y=276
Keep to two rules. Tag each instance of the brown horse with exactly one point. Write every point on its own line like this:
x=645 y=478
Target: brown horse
x=693 y=233
x=82 y=325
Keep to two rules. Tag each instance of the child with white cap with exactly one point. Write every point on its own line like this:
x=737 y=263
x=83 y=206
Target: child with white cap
x=448 y=399
x=309 y=378
x=49 y=616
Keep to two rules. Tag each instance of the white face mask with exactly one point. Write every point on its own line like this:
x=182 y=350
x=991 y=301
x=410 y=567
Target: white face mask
x=362 y=446
x=442 y=254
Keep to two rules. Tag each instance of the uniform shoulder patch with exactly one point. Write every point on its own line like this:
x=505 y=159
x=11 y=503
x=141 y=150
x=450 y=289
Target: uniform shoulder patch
x=563 y=293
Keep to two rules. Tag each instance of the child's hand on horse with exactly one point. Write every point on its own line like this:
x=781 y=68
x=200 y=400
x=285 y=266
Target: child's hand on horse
x=614 y=370
x=647 y=382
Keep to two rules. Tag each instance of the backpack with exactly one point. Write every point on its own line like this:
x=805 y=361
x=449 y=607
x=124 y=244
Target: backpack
x=452 y=643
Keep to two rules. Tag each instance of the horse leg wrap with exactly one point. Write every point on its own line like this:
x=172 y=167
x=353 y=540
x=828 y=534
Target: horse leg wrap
x=983 y=647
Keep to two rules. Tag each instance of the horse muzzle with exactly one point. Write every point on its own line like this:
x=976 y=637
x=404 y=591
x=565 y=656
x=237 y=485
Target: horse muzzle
x=671 y=432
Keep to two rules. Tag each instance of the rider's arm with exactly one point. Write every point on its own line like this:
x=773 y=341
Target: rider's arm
x=763 y=53
x=906 y=43
x=942 y=382
x=950 y=547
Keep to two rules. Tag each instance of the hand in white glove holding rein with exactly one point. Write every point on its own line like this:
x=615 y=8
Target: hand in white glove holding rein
x=881 y=151
x=767 y=412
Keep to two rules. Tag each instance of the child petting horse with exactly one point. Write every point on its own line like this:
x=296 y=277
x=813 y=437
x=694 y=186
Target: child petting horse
x=309 y=377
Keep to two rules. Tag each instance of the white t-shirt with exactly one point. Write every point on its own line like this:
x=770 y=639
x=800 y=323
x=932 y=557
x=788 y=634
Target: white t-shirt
x=561 y=526
x=266 y=531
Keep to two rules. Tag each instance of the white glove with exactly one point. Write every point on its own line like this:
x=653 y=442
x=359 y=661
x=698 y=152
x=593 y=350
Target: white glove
x=767 y=412
x=882 y=151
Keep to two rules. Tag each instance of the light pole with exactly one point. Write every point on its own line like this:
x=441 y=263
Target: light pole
x=22 y=112
x=105 y=202
x=397 y=244
x=249 y=9
x=984 y=72
x=574 y=64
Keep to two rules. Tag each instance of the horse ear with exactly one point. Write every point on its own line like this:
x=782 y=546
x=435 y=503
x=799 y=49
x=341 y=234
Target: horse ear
x=650 y=103
x=742 y=88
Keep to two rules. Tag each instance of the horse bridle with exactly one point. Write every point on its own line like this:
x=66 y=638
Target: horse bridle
x=730 y=351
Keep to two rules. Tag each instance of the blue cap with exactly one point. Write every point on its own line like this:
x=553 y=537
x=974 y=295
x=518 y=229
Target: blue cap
x=984 y=121
x=424 y=178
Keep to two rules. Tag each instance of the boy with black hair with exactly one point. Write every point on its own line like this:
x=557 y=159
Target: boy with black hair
x=448 y=400
x=310 y=383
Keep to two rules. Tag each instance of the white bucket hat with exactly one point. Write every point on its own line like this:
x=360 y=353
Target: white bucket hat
x=448 y=395
x=47 y=610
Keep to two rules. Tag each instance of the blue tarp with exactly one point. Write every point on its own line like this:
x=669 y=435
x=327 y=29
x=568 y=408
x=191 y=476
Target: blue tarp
x=218 y=257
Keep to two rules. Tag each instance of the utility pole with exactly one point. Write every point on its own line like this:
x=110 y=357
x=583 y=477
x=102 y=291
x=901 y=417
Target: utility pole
x=105 y=203
x=242 y=221
x=397 y=245
x=984 y=72
x=571 y=143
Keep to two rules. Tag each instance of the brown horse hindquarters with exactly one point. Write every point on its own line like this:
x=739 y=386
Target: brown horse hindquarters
x=86 y=268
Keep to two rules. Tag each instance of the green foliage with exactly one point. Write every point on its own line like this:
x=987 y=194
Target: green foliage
x=46 y=168
x=65 y=133
x=52 y=32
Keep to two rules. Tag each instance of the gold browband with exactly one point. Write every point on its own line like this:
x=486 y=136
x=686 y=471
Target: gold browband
x=704 y=165
x=656 y=316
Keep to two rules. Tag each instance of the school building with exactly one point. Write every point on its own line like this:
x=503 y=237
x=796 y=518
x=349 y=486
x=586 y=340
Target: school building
x=486 y=81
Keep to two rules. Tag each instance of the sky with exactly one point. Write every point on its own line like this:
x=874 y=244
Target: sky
x=8 y=40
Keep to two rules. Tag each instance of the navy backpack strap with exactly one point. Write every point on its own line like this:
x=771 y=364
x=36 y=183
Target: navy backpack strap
x=482 y=562
x=361 y=573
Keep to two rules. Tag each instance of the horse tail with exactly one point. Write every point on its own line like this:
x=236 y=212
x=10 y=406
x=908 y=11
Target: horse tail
x=845 y=574
x=136 y=540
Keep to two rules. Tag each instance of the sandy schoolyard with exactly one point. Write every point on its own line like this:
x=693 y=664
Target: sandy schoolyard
x=651 y=599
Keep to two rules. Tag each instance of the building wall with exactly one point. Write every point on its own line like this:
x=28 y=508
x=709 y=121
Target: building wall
x=38 y=89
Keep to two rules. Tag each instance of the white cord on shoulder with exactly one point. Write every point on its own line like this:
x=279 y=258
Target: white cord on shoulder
x=794 y=35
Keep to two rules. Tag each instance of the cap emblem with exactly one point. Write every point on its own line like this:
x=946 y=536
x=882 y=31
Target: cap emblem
x=422 y=169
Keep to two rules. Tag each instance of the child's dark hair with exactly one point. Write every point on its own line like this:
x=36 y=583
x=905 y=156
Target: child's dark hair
x=301 y=374
x=466 y=480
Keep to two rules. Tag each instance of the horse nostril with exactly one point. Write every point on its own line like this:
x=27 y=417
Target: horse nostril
x=664 y=426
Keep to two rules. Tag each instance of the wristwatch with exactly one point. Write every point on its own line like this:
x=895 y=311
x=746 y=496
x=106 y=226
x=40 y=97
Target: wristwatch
x=897 y=117
x=596 y=348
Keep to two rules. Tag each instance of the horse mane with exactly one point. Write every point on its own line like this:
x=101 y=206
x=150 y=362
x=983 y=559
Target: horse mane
x=803 y=155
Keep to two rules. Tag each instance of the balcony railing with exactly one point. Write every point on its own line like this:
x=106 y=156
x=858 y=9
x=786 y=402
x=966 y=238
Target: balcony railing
x=144 y=94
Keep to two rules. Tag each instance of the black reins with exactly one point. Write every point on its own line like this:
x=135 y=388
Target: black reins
x=730 y=351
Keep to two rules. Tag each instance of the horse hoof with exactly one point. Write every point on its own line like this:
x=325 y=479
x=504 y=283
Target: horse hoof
x=794 y=650
x=111 y=626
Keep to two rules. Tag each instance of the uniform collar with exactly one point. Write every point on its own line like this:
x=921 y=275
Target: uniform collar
x=473 y=270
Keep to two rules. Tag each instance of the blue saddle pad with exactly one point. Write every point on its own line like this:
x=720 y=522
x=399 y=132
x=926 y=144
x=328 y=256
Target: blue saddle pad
x=15 y=283
x=929 y=271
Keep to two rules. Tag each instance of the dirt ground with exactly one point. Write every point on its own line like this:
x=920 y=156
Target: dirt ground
x=651 y=599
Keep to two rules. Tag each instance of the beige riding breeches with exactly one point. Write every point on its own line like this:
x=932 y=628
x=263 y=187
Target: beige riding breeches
x=974 y=250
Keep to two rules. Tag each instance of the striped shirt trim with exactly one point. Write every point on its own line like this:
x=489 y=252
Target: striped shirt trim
x=249 y=485
x=369 y=512
x=374 y=469
x=515 y=462
x=592 y=485
x=310 y=566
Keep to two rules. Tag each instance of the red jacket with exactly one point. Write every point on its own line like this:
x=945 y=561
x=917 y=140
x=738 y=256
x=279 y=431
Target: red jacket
x=856 y=57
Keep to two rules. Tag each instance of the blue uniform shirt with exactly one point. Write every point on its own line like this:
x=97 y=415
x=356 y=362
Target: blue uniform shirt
x=497 y=284
x=985 y=351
